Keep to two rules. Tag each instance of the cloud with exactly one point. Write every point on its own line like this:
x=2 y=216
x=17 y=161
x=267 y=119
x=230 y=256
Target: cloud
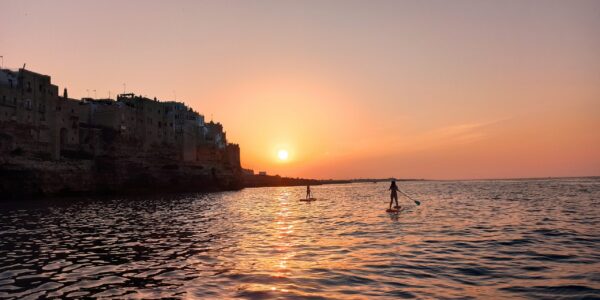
x=383 y=142
x=458 y=134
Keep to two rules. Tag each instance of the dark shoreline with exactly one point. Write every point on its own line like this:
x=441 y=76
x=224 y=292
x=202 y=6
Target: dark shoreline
x=27 y=178
x=30 y=179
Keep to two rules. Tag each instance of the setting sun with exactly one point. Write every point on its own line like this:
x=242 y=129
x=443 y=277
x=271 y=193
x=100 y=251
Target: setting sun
x=237 y=142
x=282 y=154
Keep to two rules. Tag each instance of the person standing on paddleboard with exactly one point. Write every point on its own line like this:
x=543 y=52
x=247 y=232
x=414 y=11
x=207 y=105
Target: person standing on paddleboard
x=308 y=193
x=394 y=195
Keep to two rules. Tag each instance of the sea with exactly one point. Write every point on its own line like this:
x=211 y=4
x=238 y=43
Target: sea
x=488 y=239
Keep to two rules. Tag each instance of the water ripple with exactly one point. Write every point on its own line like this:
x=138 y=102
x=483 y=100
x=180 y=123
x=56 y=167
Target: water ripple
x=530 y=239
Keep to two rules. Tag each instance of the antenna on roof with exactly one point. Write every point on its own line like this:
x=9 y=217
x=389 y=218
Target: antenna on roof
x=124 y=88
x=24 y=66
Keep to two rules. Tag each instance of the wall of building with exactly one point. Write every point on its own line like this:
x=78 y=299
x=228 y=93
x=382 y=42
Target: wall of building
x=27 y=99
x=61 y=127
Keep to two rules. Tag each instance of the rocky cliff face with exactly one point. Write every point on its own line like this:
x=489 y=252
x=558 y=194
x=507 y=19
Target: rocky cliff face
x=52 y=145
x=23 y=177
x=107 y=162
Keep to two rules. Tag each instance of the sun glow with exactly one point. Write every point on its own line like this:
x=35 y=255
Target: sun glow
x=282 y=154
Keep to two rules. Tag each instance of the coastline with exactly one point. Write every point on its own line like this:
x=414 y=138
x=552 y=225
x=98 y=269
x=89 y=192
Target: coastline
x=23 y=178
x=29 y=179
x=54 y=145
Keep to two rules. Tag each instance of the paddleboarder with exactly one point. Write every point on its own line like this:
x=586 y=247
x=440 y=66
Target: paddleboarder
x=394 y=195
x=308 y=193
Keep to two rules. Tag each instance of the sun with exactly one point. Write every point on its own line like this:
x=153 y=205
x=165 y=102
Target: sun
x=282 y=154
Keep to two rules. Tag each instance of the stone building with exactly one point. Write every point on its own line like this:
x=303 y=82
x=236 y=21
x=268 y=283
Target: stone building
x=37 y=121
x=27 y=102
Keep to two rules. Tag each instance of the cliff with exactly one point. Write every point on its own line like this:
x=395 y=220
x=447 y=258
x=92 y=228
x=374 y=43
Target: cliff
x=55 y=145
x=22 y=178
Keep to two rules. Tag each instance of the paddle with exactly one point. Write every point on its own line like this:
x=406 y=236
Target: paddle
x=416 y=202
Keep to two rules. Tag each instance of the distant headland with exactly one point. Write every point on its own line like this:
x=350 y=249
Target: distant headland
x=51 y=144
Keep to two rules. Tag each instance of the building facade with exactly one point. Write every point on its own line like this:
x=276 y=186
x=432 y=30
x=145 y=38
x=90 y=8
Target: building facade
x=36 y=120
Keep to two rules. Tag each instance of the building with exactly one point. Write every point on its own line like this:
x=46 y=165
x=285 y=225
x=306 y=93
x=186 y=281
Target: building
x=27 y=109
x=36 y=121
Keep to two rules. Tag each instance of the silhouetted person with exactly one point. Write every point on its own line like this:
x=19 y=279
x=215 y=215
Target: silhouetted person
x=394 y=195
x=308 y=193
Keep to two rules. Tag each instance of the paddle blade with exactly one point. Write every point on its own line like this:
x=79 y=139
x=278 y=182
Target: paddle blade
x=417 y=202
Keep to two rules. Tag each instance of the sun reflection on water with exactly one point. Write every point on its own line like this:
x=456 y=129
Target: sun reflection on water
x=490 y=239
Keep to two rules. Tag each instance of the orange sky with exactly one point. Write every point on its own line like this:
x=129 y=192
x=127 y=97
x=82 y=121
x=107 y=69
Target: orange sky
x=419 y=89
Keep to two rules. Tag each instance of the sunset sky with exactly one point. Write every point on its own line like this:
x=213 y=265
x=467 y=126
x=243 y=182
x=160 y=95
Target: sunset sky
x=411 y=89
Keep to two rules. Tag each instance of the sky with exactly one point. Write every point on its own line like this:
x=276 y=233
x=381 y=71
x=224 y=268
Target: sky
x=350 y=89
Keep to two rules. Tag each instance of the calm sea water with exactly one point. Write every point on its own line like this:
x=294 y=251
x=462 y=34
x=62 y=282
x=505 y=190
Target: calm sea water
x=471 y=239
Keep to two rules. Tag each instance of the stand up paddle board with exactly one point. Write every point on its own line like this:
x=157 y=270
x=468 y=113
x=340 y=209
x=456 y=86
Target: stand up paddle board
x=309 y=199
x=396 y=209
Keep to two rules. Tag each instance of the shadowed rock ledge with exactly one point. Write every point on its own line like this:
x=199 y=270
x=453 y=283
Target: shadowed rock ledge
x=26 y=178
